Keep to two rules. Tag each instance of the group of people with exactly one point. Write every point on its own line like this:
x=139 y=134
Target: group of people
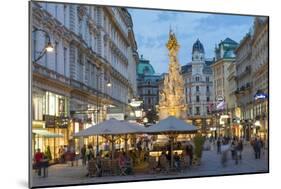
x=180 y=161
x=234 y=145
x=125 y=161
x=257 y=145
x=41 y=162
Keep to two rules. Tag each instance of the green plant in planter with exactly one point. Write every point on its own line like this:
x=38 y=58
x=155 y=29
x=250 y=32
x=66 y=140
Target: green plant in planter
x=198 y=143
x=48 y=153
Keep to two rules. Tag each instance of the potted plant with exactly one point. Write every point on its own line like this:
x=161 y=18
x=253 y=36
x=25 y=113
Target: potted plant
x=198 y=143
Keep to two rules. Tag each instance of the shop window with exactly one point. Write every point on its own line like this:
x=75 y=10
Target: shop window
x=197 y=110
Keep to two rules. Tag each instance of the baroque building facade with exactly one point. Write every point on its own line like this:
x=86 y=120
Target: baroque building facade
x=260 y=62
x=148 y=90
x=198 y=90
x=94 y=48
x=244 y=92
x=224 y=57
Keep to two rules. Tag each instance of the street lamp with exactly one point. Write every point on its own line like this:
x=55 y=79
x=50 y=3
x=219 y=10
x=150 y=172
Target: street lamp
x=48 y=47
x=108 y=84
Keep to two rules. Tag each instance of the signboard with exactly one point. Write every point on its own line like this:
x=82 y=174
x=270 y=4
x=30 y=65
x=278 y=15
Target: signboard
x=53 y=121
x=50 y=121
x=118 y=116
x=220 y=98
x=135 y=103
x=260 y=96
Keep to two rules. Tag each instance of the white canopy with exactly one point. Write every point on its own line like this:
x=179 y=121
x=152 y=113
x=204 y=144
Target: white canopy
x=46 y=133
x=111 y=127
x=171 y=125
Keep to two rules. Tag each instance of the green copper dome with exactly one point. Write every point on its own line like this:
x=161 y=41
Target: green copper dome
x=144 y=67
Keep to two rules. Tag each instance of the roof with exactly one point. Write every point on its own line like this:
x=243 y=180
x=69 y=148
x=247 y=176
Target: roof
x=207 y=69
x=198 y=46
x=229 y=41
x=144 y=67
x=209 y=62
x=186 y=68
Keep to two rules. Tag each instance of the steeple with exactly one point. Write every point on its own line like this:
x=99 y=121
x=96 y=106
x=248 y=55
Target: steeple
x=198 y=52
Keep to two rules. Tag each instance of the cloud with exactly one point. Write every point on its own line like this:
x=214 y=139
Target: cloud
x=151 y=29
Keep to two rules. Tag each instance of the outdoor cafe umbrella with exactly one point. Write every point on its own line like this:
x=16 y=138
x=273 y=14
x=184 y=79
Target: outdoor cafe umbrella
x=171 y=126
x=111 y=127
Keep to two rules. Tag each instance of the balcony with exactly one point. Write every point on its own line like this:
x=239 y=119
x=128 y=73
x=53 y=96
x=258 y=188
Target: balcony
x=50 y=74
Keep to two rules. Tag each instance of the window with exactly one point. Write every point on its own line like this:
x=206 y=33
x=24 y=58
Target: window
x=34 y=42
x=56 y=56
x=207 y=89
x=208 y=99
x=64 y=60
x=149 y=101
x=47 y=54
x=80 y=67
x=148 y=91
x=197 y=78
x=197 y=110
x=56 y=11
x=197 y=88
x=64 y=14
x=208 y=111
x=190 y=110
x=207 y=79
x=197 y=98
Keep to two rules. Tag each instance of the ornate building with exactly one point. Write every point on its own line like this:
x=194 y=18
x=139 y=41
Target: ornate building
x=94 y=48
x=260 y=69
x=172 y=93
x=244 y=92
x=148 y=91
x=224 y=57
x=198 y=82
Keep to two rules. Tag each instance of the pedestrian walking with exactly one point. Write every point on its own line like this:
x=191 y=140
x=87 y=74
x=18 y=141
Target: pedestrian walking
x=219 y=146
x=83 y=155
x=224 y=154
x=38 y=157
x=257 y=148
x=239 y=149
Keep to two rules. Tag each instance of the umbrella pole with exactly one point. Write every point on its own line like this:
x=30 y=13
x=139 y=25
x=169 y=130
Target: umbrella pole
x=97 y=148
x=172 y=155
x=112 y=147
x=126 y=143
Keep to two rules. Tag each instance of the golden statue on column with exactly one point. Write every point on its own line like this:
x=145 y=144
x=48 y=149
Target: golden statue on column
x=172 y=95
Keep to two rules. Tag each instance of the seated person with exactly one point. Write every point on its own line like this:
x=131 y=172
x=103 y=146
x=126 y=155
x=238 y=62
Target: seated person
x=163 y=162
x=128 y=165
x=177 y=161
x=98 y=165
x=121 y=163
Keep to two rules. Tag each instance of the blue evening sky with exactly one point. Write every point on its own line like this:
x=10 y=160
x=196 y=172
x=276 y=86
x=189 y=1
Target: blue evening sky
x=151 y=28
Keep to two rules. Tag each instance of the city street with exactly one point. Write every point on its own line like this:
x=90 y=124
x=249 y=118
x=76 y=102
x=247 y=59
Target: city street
x=62 y=174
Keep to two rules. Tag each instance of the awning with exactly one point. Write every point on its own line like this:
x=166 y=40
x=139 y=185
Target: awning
x=46 y=133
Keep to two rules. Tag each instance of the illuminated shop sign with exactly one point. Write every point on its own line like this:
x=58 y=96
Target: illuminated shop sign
x=260 y=96
x=53 y=121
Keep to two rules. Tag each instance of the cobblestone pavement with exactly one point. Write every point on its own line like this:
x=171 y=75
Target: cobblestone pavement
x=62 y=174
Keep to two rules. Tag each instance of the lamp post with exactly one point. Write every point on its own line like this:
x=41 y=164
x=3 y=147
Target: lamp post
x=108 y=84
x=48 y=46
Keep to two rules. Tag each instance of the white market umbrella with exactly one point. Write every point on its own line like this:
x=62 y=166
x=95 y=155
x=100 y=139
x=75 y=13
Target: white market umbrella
x=171 y=126
x=111 y=127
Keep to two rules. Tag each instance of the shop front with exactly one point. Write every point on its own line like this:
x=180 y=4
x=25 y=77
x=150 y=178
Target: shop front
x=50 y=122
